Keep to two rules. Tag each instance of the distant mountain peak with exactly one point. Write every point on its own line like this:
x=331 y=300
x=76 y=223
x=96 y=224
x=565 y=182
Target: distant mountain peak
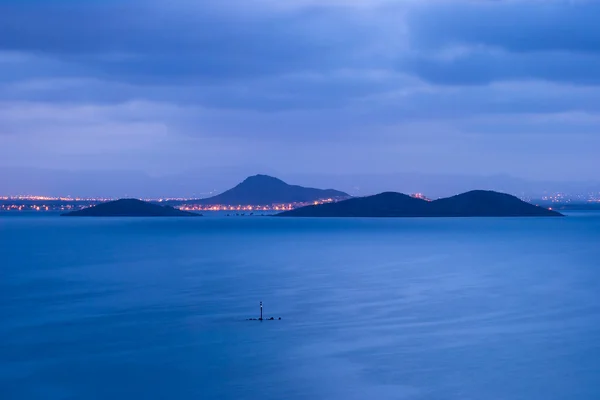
x=267 y=190
x=391 y=195
x=263 y=179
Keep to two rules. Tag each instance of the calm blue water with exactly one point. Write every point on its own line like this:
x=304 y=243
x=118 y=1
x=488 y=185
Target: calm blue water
x=372 y=309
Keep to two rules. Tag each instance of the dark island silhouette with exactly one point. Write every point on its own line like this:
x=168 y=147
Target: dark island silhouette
x=130 y=208
x=263 y=189
x=477 y=203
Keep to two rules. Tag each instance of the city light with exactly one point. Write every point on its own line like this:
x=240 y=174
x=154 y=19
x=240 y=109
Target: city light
x=420 y=196
x=39 y=203
x=62 y=204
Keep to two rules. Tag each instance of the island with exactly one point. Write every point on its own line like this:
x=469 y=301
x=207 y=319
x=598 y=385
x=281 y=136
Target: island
x=477 y=203
x=130 y=208
x=266 y=190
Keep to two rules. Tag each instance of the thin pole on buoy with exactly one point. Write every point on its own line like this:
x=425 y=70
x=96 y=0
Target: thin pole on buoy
x=261 y=311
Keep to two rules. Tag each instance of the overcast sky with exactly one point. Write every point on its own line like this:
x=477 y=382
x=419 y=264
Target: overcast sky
x=123 y=89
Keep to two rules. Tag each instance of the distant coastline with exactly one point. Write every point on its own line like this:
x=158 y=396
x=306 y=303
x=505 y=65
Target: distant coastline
x=263 y=194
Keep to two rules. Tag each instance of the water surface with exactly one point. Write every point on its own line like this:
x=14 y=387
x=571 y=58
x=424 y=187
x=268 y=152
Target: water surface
x=371 y=308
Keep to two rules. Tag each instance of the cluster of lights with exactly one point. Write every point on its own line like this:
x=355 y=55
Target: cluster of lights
x=567 y=198
x=91 y=199
x=51 y=203
x=197 y=207
x=51 y=198
x=420 y=196
x=79 y=203
x=239 y=207
x=42 y=207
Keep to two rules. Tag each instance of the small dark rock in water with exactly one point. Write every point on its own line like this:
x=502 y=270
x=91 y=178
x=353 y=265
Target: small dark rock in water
x=280 y=318
x=271 y=319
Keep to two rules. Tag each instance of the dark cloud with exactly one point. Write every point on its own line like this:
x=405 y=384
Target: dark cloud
x=478 y=42
x=301 y=85
x=480 y=67
x=181 y=42
x=236 y=42
x=511 y=25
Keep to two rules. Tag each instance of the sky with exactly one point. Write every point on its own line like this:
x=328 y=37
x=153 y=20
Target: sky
x=182 y=97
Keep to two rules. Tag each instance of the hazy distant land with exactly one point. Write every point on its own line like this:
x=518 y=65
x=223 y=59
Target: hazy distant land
x=477 y=203
x=266 y=193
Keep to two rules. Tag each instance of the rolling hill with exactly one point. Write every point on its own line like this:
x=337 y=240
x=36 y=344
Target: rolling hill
x=266 y=190
x=129 y=208
x=476 y=203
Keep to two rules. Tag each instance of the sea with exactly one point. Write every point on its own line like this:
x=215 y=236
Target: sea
x=440 y=309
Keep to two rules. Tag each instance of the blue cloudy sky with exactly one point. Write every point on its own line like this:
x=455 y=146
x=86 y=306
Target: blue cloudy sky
x=184 y=94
